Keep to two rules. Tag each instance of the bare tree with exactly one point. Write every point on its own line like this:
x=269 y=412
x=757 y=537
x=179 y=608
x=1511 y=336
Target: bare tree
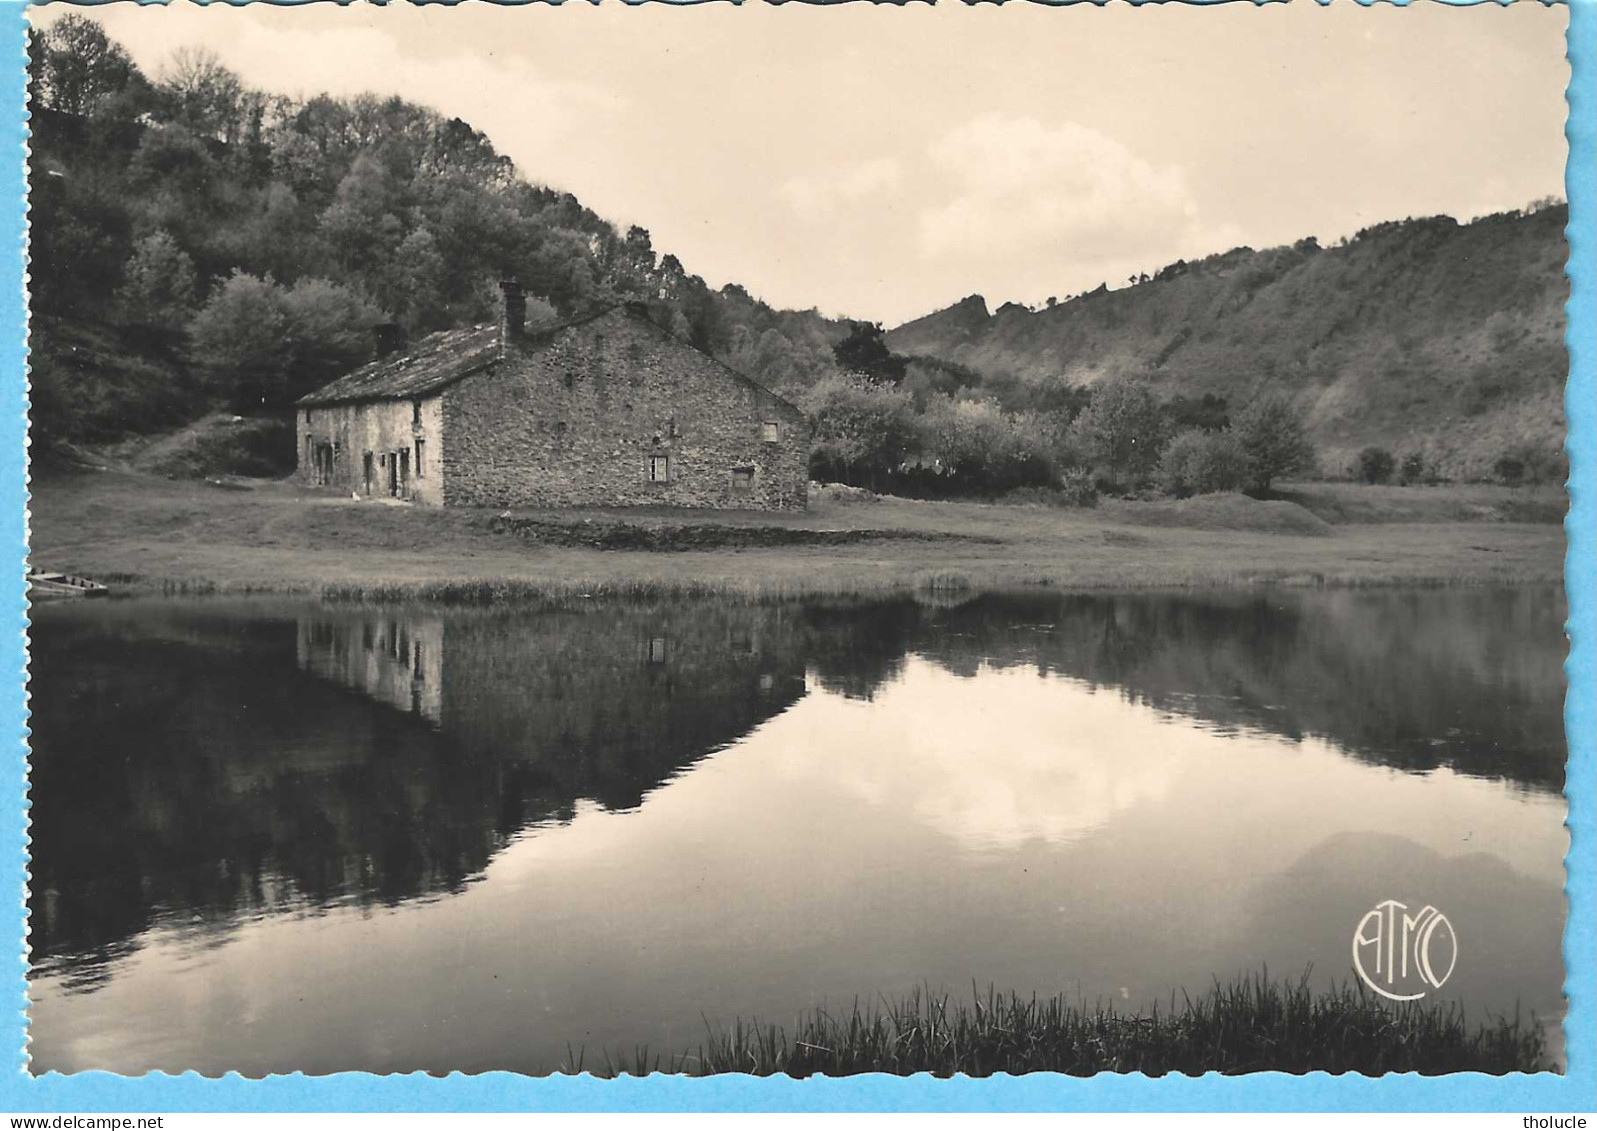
x=204 y=94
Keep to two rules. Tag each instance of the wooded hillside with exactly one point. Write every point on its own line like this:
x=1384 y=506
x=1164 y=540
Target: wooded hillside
x=197 y=244
x=1414 y=334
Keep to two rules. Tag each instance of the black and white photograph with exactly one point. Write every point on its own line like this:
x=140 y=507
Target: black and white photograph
x=796 y=540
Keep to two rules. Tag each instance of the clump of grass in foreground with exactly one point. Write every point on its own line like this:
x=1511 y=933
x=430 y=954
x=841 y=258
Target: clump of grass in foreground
x=1248 y=1025
x=944 y=581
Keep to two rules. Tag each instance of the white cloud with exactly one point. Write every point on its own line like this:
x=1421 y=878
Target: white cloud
x=896 y=200
x=1021 y=187
x=523 y=108
x=814 y=197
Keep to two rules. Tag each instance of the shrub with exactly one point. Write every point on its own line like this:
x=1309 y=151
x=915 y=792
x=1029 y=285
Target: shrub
x=1538 y=464
x=862 y=430
x=1509 y=469
x=1376 y=465
x=1530 y=463
x=1413 y=468
x=842 y=493
x=1273 y=439
x=1075 y=489
x=1076 y=485
x=1176 y=465
x=1202 y=463
x=984 y=449
x=1122 y=431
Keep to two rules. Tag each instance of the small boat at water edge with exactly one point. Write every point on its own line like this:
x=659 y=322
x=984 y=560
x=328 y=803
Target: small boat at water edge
x=63 y=585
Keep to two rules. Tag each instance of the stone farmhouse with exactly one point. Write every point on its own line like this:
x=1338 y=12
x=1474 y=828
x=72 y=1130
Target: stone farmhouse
x=603 y=410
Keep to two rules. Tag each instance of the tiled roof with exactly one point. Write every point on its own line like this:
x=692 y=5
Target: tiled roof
x=445 y=357
x=425 y=367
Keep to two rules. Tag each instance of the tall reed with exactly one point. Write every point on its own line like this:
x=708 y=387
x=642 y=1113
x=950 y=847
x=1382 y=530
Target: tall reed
x=1250 y=1024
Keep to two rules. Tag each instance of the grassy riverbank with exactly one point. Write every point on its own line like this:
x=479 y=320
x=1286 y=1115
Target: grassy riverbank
x=1248 y=1025
x=148 y=534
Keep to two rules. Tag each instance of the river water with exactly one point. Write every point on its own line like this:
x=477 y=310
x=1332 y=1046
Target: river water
x=271 y=836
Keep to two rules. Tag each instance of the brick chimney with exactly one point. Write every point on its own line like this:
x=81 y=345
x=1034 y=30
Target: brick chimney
x=390 y=338
x=513 y=316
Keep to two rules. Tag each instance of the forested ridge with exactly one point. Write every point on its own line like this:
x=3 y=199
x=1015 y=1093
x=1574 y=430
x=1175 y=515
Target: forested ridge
x=1421 y=335
x=198 y=244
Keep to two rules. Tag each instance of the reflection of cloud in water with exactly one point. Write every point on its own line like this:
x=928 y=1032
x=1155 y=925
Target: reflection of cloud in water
x=1016 y=759
x=562 y=818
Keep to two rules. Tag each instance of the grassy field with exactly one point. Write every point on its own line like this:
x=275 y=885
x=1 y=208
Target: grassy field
x=1248 y=1025
x=146 y=533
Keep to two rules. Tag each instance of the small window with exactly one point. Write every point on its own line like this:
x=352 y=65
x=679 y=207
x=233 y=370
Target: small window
x=415 y=412
x=307 y=416
x=421 y=464
x=769 y=432
x=742 y=480
x=657 y=650
x=659 y=469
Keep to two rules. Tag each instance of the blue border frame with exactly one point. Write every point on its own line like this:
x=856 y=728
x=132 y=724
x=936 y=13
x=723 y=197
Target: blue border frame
x=502 y=1091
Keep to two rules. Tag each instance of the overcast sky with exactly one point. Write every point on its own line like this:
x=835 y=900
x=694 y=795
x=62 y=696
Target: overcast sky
x=882 y=162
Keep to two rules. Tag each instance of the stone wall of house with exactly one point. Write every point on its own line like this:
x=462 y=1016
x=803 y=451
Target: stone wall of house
x=402 y=437
x=594 y=414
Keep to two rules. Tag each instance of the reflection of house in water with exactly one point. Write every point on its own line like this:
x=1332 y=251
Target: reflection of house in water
x=366 y=755
x=398 y=661
x=197 y=760
x=603 y=704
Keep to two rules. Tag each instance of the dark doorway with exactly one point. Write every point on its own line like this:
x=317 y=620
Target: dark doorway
x=324 y=464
